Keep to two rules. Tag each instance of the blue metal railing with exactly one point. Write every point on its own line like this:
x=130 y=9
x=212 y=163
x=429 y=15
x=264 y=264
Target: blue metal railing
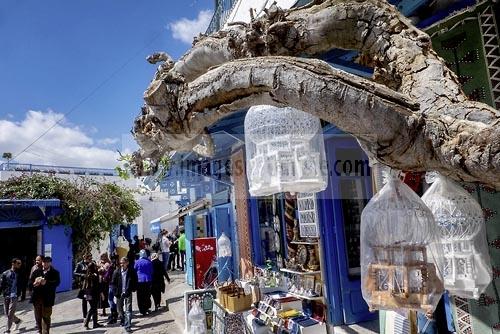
x=222 y=10
x=32 y=168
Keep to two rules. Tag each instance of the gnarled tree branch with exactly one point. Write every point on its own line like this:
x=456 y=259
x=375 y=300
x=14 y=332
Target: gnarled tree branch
x=419 y=120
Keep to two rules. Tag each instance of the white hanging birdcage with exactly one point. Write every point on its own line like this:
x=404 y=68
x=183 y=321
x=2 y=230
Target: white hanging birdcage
x=197 y=323
x=462 y=237
x=224 y=246
x=285 y=151
x=398 y=262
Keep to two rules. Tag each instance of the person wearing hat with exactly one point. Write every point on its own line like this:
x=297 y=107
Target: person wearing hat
x=144 y=269
x=45 y=281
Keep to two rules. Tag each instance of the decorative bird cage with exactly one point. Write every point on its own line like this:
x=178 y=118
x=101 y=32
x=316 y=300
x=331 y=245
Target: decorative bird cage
x=197 y=319
x=466 y=267
x=285 y=151
x=398 y=266
x=224 y=246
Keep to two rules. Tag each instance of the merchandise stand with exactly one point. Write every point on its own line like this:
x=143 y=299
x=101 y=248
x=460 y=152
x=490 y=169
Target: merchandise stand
x=227 y=322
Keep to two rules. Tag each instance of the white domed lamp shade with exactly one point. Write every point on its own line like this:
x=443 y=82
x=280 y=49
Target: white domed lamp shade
x=224 y=246
x=466 y=266
x=399 y=266
x=285 y=151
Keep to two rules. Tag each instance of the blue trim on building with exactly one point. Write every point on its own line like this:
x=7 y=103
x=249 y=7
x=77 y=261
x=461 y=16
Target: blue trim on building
x=30 y=203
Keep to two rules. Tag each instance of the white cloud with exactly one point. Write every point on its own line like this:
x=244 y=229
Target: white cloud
x=185 y=29
x=108 y=141
x=63 y=145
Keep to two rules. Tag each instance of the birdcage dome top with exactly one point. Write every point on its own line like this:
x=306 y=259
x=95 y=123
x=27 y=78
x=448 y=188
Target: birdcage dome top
x=265 y=122
x=458 y=215
x=397 y=216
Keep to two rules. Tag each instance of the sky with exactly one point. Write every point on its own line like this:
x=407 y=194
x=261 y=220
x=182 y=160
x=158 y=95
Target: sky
x=78 y=68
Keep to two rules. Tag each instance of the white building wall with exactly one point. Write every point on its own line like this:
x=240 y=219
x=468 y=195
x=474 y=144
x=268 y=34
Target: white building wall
x=154 y=205
x=130 y=183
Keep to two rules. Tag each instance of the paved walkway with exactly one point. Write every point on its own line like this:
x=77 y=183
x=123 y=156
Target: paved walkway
x=67 y=315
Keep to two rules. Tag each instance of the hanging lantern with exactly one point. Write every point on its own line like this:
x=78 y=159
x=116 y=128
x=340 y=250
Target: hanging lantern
x=224 y=246
x=285 y=151
x=398 y=264
x=466 y=267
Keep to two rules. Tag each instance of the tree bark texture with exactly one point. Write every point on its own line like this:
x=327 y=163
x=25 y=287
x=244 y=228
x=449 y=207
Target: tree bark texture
x=412 y=115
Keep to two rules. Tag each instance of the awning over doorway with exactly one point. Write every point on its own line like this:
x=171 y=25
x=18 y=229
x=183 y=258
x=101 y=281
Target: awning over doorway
x=12 y=210
x=182 y=211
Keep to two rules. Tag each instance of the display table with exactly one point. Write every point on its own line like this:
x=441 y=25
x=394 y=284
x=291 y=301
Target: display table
x=226 y=322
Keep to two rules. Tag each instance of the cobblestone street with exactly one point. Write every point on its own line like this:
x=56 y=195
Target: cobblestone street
x=67 y=316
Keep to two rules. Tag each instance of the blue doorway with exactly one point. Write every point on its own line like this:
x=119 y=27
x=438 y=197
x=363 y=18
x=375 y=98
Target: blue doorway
x=340 y=207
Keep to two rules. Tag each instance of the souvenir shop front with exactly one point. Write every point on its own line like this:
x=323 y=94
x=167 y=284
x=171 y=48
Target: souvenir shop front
x=309 y=242
x=284 y=225
x=204 y=190
x=336 y=249
x=316 y=249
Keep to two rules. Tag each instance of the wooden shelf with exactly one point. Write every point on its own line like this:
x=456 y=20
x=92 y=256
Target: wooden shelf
x=304 y=242
x=320 y=298
x=300 y=272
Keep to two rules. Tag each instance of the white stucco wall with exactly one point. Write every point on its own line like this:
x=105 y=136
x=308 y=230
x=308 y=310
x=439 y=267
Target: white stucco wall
x=154 y=205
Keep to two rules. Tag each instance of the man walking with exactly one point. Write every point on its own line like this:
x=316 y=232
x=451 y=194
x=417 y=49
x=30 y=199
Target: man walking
x=79 y=274
x=144 y=269
x=8 y=286
x=124 y=282
x=37 y=265
x=45 y=282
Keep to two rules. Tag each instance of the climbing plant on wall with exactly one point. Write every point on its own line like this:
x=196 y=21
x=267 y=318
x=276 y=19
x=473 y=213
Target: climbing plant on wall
x=91 y=208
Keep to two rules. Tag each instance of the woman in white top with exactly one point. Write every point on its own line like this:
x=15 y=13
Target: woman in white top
x=165 y=249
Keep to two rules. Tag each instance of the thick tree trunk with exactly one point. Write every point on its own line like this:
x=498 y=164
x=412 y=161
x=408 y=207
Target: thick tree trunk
x=416 y=118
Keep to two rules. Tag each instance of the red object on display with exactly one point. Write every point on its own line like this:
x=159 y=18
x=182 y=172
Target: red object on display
x=414 y=180
x=205 y=262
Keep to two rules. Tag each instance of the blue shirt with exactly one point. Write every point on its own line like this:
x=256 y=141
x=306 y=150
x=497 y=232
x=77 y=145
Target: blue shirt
x=144 y=269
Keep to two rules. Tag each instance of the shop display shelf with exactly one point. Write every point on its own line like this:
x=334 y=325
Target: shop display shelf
x=300 y=272
x=304 y=242
x=319 y=298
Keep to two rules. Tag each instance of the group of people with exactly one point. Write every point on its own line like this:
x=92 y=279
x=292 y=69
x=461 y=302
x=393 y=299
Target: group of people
x=110 y=282
x=43 y=282
x=107 y=283
x=173 y=249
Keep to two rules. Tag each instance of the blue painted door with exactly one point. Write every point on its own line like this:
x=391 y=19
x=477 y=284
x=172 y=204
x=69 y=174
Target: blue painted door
x=189 y=230
x=342 y=203
x=328 y=243
x=57 y=243
x=222 y=224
